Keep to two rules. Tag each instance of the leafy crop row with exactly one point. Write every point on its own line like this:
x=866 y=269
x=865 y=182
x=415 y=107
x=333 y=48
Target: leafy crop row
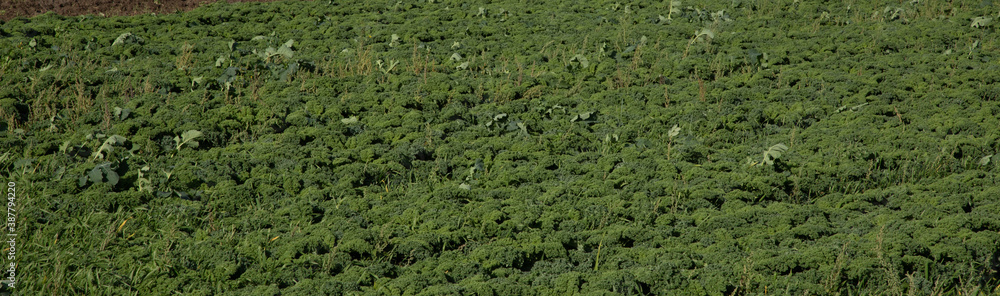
x=502 y=148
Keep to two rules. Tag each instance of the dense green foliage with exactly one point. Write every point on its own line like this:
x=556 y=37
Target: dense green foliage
x=508 y=148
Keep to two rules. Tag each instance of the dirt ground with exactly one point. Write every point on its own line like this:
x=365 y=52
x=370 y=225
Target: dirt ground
x=10 y=9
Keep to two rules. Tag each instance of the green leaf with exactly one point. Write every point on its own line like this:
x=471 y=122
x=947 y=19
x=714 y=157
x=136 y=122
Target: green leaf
x=64 y=147
x=187 y=138
x=116 y=140
x=674 y=131
x=121 y=114
x=126 y=38
x=286 y=49
x=112 y=177
x=197 y=81
x=108 y=146
x=705 y=34
x=985 y=159
x=774 y=153
x=581 y=59
x=95 y=175
x=190 y=135
x=980 y=22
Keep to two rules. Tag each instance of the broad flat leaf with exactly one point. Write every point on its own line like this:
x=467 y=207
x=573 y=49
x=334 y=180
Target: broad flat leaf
x=126 y=38
x=979 y=22
x=112 y=177
x=190 y=135
x=22 y=163
x=705 y=32
x=63 y=147
x=95 y=175
x=774 y=153
x=582 y=60
x=115 y=140
x=286 y=50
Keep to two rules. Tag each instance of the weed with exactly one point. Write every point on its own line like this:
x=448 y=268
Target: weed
x=185 y=60
x=704 y=35
x=187 y=139
x=674 y=131
x=108 y=147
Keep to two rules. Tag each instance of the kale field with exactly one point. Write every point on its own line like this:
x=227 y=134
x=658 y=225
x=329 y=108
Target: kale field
x=744 y=147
